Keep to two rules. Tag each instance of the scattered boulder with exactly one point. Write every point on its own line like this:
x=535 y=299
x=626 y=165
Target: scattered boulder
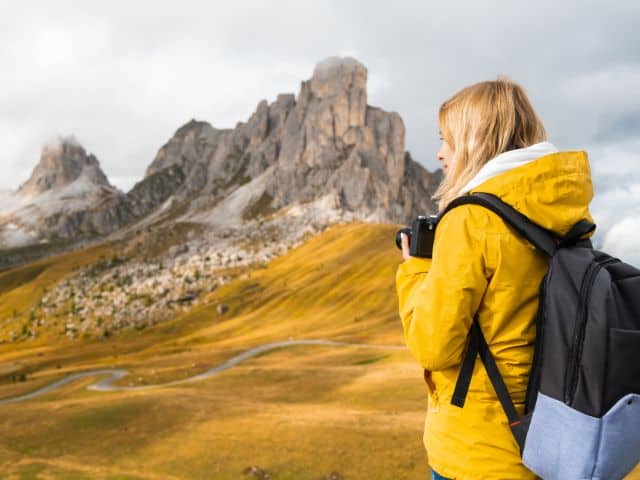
x=178 y=250
x=187 y=297
x=257 y=472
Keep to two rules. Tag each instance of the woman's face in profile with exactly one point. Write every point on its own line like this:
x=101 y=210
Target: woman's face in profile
x=445 y=155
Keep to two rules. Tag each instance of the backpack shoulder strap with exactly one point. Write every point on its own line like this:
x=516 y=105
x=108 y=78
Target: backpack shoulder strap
x=578 y=230
x=540 y=237
x=478 y=346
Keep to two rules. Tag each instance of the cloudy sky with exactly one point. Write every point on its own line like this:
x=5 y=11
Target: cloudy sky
x=123 y=76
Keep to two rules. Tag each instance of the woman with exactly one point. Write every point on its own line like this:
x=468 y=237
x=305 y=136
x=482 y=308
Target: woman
x=492 y=141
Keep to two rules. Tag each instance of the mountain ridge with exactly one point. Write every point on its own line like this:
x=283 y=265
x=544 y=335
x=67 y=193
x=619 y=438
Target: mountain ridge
x=325 y=150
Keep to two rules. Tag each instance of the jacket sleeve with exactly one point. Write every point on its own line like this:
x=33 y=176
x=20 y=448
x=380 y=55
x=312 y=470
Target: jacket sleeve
x=439 y=297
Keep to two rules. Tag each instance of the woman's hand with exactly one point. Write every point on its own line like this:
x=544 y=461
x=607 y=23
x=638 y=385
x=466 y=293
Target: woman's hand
x=405 y=246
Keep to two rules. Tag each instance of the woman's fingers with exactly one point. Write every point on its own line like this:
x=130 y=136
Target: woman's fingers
x=405 y=245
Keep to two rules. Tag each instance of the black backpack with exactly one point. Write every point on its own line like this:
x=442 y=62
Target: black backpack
x=582 y=408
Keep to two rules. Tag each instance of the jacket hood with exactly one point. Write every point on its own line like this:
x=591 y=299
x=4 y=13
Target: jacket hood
x=553 y=188
x=507 y=161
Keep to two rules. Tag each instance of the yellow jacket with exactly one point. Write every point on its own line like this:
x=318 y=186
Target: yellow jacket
x=481 y=265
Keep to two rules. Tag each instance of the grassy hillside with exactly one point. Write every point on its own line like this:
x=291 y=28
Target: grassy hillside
x=297 y=413
x=301 y=412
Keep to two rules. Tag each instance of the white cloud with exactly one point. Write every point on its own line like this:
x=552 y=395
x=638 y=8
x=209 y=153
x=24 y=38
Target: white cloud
x=615 y=86
x=616 y=162
x=623 y=240
x=616 y=203
x=616 y=214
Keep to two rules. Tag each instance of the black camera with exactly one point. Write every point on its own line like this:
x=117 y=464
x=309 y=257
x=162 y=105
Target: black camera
x=421 y=235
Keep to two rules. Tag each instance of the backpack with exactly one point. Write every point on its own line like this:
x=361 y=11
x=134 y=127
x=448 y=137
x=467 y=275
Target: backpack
x=582 y=407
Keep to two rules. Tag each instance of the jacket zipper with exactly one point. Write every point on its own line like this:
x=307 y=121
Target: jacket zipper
x=580 y=327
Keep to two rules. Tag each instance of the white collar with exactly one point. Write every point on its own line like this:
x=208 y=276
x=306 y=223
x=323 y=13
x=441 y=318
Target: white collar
x=507 y=161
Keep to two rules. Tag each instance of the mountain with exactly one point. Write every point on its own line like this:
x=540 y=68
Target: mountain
x=68 y=198
x=297 y=164
x=326 y=145
x=63 y=162
x=66 y=182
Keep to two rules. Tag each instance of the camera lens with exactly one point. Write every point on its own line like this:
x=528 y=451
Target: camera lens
x=406 y=230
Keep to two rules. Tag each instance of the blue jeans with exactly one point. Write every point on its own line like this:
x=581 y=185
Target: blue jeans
x=437 y=476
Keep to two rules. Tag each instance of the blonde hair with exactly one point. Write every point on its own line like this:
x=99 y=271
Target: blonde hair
x=480 y=122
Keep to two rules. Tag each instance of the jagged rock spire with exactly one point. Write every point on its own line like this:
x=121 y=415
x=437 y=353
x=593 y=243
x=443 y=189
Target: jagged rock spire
x=62 y=161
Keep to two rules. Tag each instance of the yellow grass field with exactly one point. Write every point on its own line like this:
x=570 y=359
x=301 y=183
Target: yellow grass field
x=301 y=412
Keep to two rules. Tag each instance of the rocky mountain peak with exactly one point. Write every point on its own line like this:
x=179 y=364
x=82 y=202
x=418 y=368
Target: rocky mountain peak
x=324 y=142
x=336 y=75
x=62 y=162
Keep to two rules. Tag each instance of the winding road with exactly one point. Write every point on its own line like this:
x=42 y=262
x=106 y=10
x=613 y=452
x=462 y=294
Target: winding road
x=113 y=375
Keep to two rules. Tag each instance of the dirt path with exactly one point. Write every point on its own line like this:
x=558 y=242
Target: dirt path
x=113 y=375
